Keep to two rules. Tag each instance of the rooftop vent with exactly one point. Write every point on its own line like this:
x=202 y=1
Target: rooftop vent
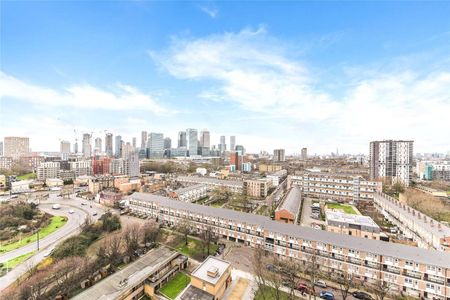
x=213 y=272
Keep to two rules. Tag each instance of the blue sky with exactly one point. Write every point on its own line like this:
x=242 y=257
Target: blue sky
x=320 y=75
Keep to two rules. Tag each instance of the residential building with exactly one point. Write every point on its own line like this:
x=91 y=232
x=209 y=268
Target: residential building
x=240 y=149
x=427 y=232
x=269 y=168
x=1 y=148
x=190 y=193
x=338 y=187
x=118 y=166
x=237 y=160
x=22 y=186
x=155 y=145
x=289 y=209
x=351 y=224
x=109 y=144
x=257 y=187
x=144 y=137
x=304 y=155
x=192 y=141
x=211 y=183
x=133 y=169
x=86 y=145
x=54 y=182
x=413 y=271
x=212 y=277
x=118 y=146
x=392 y=160
x=205 y=139
x=134 y=142
x=98 y=146
x=100 y=165
x=15 y=147
x=232 y=143
x=110 y=198
x=246 y=167
x=64 y=149
x=32 y=161
x=48 y=170
x=277 y=177
x=99 y=183
x=144 y=276
x=5 y=163
x=278 y=155
x=127 y=149
x=81 y=167
x=182 y=142
x=222 y=145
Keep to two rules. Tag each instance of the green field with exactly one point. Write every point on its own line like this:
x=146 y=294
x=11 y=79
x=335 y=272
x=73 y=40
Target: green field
x=175 y=285
x=17 y=260
x=269 y=294
x=27 y=176
x=348 y=209
x=194 y=247
x=56 y=223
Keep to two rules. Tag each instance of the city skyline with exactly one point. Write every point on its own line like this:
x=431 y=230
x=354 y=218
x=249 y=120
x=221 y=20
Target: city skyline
x=274 y=81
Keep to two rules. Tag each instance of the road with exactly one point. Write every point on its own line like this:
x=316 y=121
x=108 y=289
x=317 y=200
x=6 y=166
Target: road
x=75 y=220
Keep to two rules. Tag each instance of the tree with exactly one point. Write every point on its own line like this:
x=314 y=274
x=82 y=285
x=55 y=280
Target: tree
x=131 y=237
x=291 y=269
x=208 y=237
x=345 y=281
x=275 y=278
x=312 y=270
x=184 y=227
x=259 y=269
x=110 y=222
x=150 y=231
x=110 y=250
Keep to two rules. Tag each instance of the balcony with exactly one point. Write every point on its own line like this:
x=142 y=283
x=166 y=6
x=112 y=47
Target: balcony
x=391 y=269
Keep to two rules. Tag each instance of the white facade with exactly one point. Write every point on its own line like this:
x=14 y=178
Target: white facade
x=48 y=170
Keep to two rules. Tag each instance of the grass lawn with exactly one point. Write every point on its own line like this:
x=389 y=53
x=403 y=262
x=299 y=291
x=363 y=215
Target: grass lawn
x=27 y=176
x=17 y=260
x=348 y=209
x=194 y=247
x=269 y=294
x=175 y=285
x=56 y=223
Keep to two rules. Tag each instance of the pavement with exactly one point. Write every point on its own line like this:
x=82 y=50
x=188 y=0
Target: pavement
x=46 y=245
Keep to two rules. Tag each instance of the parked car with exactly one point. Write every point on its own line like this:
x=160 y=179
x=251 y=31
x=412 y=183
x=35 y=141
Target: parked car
x=303 y=288
x=56 y=206
x=361 y=295
x=95 y=213
x=320 y=283
x=271 y=268
x=71 y=211
x=327 y=295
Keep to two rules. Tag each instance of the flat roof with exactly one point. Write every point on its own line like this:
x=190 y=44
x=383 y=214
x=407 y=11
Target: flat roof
x=430 y=257
x=211 y=263
x=190 y=188
x=292 y=201
x=210 y=180
x=338 y=216
x=136 y=272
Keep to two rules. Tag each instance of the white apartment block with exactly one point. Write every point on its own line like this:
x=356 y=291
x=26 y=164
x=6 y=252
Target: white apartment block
x=211 y=183
x=414 y=271
x=15 y=147
x=191 y=193
x=392 y=160
x=427 y=232
x=277 y=177
x=81 y=167
x=48 y=170
x=335 y=186
x=5 y=163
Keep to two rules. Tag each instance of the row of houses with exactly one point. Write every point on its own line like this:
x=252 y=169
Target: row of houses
x=336 y=187
x=414 y=271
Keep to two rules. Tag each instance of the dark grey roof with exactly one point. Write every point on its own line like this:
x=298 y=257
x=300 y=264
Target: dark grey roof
x=210 y=180
x=292 y=201
x=420 y=255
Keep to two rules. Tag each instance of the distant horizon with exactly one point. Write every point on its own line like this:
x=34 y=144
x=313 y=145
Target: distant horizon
x=320 y=75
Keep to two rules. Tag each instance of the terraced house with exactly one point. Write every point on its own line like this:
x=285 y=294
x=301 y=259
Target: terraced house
x=414 y=271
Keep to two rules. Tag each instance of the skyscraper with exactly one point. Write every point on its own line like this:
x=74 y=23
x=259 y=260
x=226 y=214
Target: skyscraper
x=65 y=150
x=167 y=143
x=118 y=145
x=222 y=145
x=155 y=145
x=144 y=139
x=98 y=145
x=86 y=145
x=1 y=148
x=232 y=143
x=192 y=141
x=205 y=139
x=278 y=155
x=16 y=147
x=109 y=144
x=304 y=153
x=182 y=139
x=392 y=160
x=134 y=142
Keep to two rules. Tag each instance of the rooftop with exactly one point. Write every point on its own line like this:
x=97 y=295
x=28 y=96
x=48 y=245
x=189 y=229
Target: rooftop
x=292 y=201
x=112 y=287
x=211 y=266
x=190 y=188
x=338 y=216
x=430 y=257
x=209 y=180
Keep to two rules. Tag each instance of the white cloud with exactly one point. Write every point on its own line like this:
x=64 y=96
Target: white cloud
x=120 y=97
x=254 y=70
x=210 y=11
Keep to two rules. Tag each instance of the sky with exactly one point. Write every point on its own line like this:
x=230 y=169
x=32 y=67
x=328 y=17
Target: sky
x=324 y=75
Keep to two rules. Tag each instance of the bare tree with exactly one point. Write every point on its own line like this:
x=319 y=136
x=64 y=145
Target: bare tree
x=291 y=270
x=345 y=281
x=110 y=249
x=150 y=232
x=259 y=269
x=275 y=278
x=312 y=270
x=184 y=227
x=131 y=237
x=381 y=288
x=208 y=237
